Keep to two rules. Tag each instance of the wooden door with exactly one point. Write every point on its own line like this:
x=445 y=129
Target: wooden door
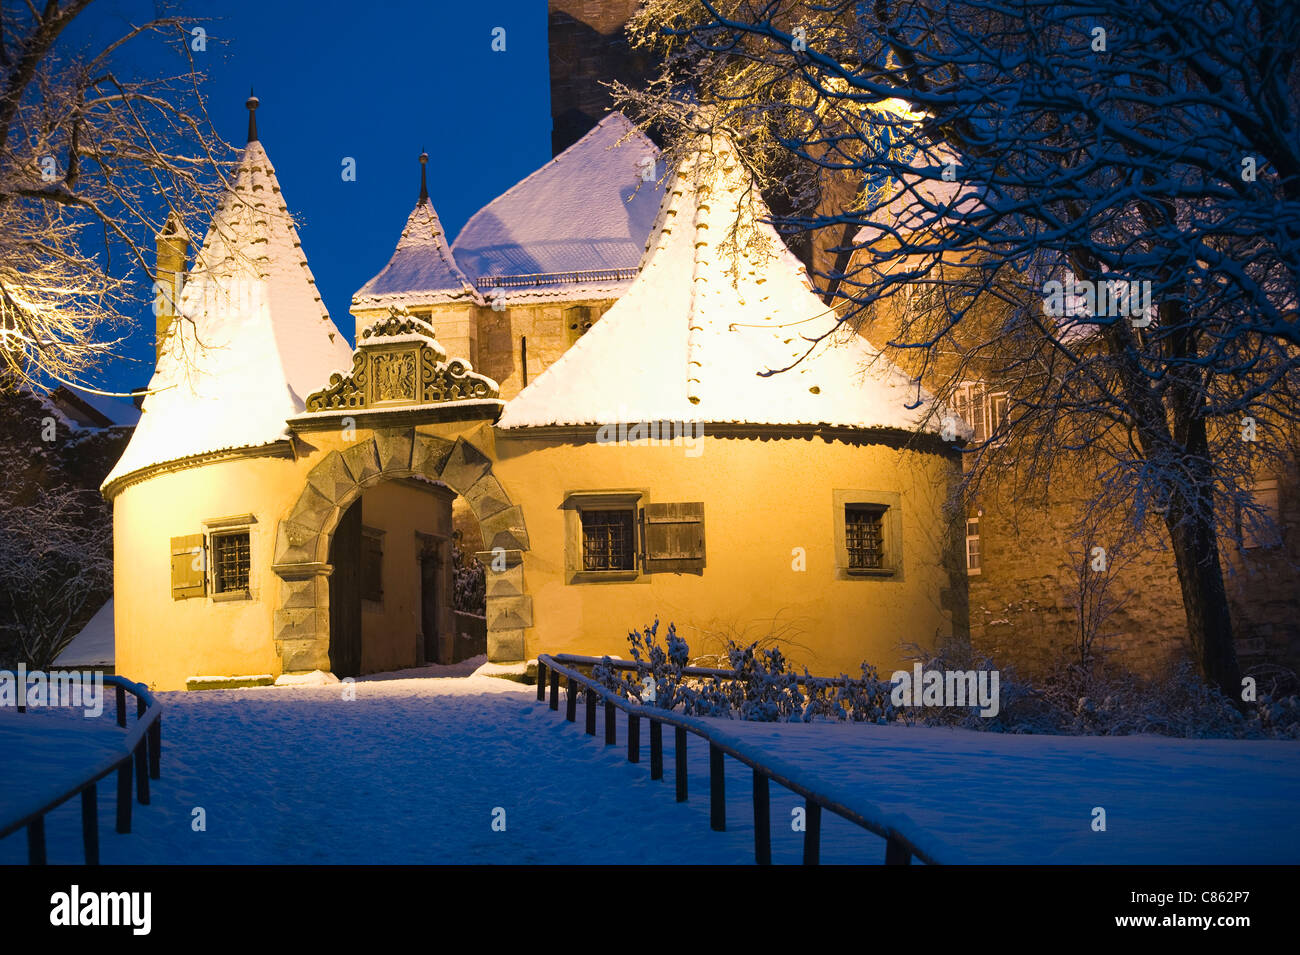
x=429 y=604
x=345 y=594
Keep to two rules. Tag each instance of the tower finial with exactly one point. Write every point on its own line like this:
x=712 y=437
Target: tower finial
x=424 y=182
x=251 y=103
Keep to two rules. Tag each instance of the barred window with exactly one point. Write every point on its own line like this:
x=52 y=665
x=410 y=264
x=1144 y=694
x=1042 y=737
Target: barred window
x=865 y=537
x=608 y=539
x=230 y=563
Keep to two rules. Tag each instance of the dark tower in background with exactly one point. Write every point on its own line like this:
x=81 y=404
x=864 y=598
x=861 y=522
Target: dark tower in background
x=588 y=47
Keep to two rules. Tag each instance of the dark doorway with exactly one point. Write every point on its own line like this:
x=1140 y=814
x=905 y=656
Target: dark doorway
x=345 y=594
x=429 y=603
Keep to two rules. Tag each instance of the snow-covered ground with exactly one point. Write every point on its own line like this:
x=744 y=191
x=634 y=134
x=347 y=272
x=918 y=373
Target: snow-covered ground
x=413 y=769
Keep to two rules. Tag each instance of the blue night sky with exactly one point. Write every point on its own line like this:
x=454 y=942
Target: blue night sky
x=375 y=82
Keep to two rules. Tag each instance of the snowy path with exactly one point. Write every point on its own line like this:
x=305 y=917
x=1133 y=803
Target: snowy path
x=411 y=771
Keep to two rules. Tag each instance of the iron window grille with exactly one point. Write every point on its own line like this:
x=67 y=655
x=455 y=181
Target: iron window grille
x=608 y=540
x=231 y=561
x=865 y=537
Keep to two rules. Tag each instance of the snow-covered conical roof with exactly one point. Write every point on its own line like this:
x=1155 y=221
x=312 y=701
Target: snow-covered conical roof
x=720 y=300
x=253 y=338
x=588 y=209
x=422 y=270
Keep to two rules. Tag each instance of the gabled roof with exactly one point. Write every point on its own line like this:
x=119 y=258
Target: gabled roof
x=253 y=339
x=588 y=209
x=710 y=312
x=88 y=410
x=422 y=269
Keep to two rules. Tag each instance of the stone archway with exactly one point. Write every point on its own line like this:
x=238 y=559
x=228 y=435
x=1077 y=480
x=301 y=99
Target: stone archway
x=301 y=626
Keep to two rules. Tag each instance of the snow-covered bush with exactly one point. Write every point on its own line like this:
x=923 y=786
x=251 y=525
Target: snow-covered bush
x=1072 y=699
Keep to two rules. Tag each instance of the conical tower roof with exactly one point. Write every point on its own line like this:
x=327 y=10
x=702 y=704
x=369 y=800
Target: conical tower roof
x=423 y=270
x=253 y=338
x=718 y=304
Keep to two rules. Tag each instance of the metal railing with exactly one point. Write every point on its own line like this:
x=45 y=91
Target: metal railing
x=900 y=849
x=488 y=282
x=143 y=745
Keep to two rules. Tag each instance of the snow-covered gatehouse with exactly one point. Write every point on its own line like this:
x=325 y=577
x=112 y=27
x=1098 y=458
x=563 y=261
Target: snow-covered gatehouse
x=620 y=386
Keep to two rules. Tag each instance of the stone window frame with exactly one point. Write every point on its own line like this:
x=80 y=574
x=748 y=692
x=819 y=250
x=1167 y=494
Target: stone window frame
x=890 y=503
x=219 y=527
x=575 y=502
x=978 y=397
x=1254 y=540
x=978 y=569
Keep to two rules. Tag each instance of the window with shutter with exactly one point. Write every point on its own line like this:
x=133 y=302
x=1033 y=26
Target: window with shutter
x=674 y=537
x=188 y=562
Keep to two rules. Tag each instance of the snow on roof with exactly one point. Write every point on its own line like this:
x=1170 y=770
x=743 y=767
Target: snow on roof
x=588 y=208
x=710 y=311
x=253 y=339
x=86 y=409
x=93 y=646
x=422 y=268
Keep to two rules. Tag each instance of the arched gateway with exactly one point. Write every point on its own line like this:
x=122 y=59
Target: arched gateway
x=303 y=538
x=400 y=374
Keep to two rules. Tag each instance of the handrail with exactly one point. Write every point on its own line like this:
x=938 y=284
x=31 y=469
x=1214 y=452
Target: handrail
x=899 y=847
x=142 y=745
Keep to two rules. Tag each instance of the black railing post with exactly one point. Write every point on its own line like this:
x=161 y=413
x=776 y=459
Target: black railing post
x=679 y=757
x=124 y=796
x=155 y=746
x=610 y=739
x=555 y=689
x=717 y=791
x=633 y=738
x=656 y=749
x=571 y=701
x=896 y=853
x=541 y=682
x=121 y=705
x=142 y=770
x=36 y=841
x=762 y=821
x=591 y=711
x=812 y=833
x=90 y=823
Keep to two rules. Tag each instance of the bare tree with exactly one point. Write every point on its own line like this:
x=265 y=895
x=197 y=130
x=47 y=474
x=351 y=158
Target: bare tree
x=92 y=162
x=1095 y=204
x=55 y=557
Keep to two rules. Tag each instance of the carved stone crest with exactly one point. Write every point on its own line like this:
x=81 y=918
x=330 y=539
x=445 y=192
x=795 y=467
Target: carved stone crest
x=400 y=361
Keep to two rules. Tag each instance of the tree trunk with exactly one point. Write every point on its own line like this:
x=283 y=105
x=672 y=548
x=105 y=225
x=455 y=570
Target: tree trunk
x=1205 y=599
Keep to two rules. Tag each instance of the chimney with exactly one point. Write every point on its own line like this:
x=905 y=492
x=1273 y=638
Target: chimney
x=173 y=248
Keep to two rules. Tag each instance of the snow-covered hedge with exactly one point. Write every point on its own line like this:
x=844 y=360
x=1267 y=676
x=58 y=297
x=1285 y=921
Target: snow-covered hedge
x=1071 y=700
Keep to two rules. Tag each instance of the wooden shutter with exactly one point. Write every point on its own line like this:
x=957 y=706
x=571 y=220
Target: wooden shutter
x=188 y=563
x=674 y=538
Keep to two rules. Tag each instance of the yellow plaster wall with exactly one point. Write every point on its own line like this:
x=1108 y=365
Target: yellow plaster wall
x=762 y=499
x=163 y=641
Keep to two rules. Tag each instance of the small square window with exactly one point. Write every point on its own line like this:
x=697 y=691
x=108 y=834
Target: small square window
x=231 y=562
x=868 y=535
x=864 y=531
x=609 y=539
